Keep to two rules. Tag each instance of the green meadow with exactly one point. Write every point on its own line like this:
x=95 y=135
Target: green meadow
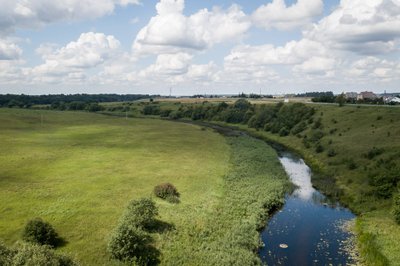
x=78 y=171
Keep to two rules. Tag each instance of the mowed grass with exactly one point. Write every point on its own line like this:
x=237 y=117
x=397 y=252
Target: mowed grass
x=79 y=170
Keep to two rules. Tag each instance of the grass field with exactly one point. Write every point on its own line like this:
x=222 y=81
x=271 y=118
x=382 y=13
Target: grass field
x=79 y=170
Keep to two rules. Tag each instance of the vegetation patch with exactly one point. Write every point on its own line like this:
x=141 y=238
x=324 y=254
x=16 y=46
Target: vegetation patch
x=32 y=254
x=167 y=191
x=40 y=232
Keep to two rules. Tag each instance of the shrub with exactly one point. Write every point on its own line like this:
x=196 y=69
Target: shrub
x=396 y=207
x=351 y=165
x=140 y=213
x=331 y=153
x=319 y=148
x=129 y=243
x=372 y=153
x=40 y=232
x=167 y=191
x=283 y=132
x=33 y=254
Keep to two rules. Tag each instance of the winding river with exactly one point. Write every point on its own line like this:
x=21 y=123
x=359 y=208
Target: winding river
x=308 y=230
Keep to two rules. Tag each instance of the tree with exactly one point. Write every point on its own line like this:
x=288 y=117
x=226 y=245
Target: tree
x=341 y=99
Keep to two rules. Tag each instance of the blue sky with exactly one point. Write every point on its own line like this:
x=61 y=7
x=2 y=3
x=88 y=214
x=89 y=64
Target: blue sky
x=148 y=46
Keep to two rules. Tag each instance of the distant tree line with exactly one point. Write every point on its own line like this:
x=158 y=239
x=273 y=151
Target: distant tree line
x=283 y=119
x=65 y=102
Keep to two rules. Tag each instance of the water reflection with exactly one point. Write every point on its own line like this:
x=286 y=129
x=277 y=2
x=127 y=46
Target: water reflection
x=308 y=225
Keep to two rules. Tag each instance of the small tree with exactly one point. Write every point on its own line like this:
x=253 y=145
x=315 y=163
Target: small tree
x=40 y=232
x=341 y=99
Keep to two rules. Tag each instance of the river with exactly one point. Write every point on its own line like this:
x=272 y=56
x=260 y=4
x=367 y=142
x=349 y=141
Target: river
x=308 y=230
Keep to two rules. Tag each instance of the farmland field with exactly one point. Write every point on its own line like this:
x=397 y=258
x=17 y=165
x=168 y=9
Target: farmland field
x=78 y=171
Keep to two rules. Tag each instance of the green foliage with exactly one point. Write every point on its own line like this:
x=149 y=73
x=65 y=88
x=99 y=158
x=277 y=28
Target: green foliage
x=331 y=153
x=40 y=232
x=151 y=110
x=131 y=244
x=283 y=132
x=319 y=148
x=396 y=208
x=167 y=191
x=129 y=241
x=368 y=248
x=140 y=213
x=33 y=254
x=374 y=152
x=385 y=182
x=341 y=99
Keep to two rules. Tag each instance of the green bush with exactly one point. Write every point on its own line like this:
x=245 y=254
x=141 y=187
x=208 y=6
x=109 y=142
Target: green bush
x=140 y=213
x=33 y=254
x=319 y=148
x=167 y=191
x=396 y=207
x=331 y=153
x=40 y=232
x=129 y=243
x=372 y=153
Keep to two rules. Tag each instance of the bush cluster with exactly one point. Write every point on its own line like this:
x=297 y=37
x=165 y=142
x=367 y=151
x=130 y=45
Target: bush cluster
x=40 y=232
x=167 y=191
x=32 y=254
x=130 y=241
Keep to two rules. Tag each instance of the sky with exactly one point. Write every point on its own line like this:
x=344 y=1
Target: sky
x=199 y=47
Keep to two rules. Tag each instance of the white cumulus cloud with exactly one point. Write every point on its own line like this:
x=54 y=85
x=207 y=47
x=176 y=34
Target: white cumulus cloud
x=171 y=31
x=9 y=50
x=34 y=13
x=360 y=26
x=89 y=51
x=280 y=16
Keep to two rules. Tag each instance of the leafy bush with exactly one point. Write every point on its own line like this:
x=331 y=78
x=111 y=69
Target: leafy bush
x=167 y=191
x=283 y=132
x=140 y=213
x=319 y=148
x=40 y=232
x=385 y=182
x=331 y=153
x=396 y=207
x=372 y=153
x=151 y=110
x=33 y=254
x=129 y=243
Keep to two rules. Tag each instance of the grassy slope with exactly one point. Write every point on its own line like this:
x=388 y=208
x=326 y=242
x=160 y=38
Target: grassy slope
x=358 y=130
x=78 y=171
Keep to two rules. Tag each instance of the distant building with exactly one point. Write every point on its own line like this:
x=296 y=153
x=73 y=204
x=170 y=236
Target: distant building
x=351 y=95
x=366 y=95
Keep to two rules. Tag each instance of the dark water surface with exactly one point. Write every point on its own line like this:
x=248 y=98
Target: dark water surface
x=308 y=229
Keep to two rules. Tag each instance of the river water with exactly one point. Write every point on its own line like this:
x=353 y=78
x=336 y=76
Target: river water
x=308 y=230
